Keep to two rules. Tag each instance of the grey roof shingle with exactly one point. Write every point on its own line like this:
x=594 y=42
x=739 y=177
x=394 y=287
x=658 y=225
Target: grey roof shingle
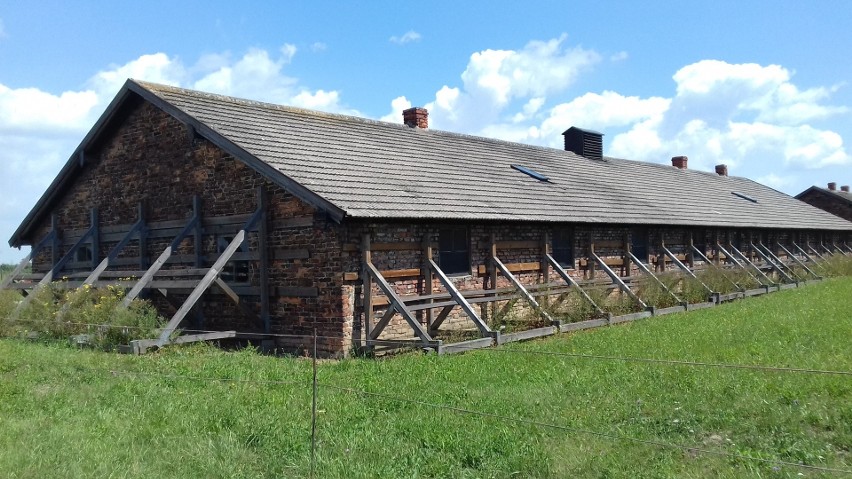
x=372 y=169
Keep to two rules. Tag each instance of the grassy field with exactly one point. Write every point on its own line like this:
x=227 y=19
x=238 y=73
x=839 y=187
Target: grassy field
x=79 y=413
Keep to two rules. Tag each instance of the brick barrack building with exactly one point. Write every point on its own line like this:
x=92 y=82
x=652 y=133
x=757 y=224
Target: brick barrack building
x=259 y=221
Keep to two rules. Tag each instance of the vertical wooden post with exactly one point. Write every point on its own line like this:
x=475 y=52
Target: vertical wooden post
x=545 y=264
x=143 y=239
x=690 y=256
x=628 y=268
x=96 y=239
x=716 y=248
x=426 y=272
x=591 y=262
x=263 y=250
x=367 y=285
x=199 y=228
x=54 y=242
x=492 y=270
x=661 y=257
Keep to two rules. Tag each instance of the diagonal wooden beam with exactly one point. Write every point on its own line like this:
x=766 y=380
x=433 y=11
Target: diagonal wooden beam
x=798 y=261
x=754 y=266
x=568 y=279
x=439 y=320
x=383 y=323
x=717 y=267
x=398 y=304
x=647 y=271
x=774 y=257
x=34 y=251
x=114 y=252
x=160 y=261
x=202 y=286
x=617 y=281
x=526 y=294
x=814 y=251
x=684 y=268
x=769 y=261
x=458 y=298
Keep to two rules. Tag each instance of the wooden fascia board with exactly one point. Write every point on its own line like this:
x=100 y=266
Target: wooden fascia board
x=71 y=166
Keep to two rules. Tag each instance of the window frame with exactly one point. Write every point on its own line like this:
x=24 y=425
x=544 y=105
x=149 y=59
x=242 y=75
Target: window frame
x=450 y=260
x=560 y=236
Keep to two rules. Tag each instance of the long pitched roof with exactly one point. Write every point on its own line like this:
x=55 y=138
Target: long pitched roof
x=841 y=196
x=359 y=168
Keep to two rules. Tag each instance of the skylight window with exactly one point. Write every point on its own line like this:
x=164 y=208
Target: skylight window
x=744 y=196
x=530 y=172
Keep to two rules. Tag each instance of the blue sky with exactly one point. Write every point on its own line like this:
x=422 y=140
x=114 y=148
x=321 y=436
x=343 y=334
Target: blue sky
x=761 y=86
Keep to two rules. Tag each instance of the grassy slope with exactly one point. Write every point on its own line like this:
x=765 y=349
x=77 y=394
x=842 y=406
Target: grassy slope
x=63 y=413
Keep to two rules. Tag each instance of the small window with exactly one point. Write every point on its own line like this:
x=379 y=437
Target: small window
x=454 y=251
x=563 y=247
x=639 y=244
x=236 y=270
x=84 y=253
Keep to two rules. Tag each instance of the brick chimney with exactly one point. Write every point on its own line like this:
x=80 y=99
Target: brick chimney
x=832 y=186
x=722 y=170
x=416 y=117
x=679 y=162
x=845 y=188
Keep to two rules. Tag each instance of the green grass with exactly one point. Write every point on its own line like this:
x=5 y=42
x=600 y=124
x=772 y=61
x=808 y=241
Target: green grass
x=64 y=413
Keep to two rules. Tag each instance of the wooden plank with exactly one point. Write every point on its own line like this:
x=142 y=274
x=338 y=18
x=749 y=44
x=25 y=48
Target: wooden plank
x=768 y=259
x=297 y=291
x=426 y=272
x=458 y=298
x=514 y=267
x=531 y=244
x=114 y=252
x=295 y=222
x=580 y=325
x=747 y=261
x=528 y=334
x=798 y=261
x=465 y=346
x=442 y=316
x=387 y=274
x=568 y=279
x=647 y=271
x=523 y=291
x=629 y=317
x=298 y=253
x=398 y=304
x=367 y=285
x=618 y=281
x=202 y=286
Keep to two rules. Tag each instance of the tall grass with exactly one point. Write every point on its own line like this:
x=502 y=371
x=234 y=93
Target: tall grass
x=58 y=313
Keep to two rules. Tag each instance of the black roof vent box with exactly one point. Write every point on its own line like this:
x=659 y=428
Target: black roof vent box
x=586 y=143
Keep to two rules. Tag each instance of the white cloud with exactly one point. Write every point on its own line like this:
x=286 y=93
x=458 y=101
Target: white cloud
x=398 y=104
x=407 y=37
x=495 y=80
x=39 y=129
x=318 y=47
x=618 y=57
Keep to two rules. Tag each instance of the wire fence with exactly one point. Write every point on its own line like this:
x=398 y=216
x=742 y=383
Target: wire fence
x=316 y=384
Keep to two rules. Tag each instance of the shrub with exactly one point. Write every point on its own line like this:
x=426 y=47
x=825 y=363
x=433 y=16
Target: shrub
x=58 y=314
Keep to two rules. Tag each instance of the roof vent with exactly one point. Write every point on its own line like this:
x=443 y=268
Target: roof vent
x=744 y=196
x=585 y=143
x=832 y=186
x=845 y=188
x=530 y=172
x=722 y=170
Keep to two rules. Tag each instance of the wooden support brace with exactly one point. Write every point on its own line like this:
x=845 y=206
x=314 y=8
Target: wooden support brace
x=210 y=277
x=568 y=279
x=798 y=261
x=366 y=286
x=526 y=295
x=717 y=267
x=685 y=269
x=439 y=320
x=263 y=250
x=748 y=262
x=34 y=251
x=114 y=252
x=398 y=304
x=160 y=261
x=814 y=251
x=773 y=258
x=426 y=272
x=647 y=271
x=808 y=257
x=617 y=281
x=458 y=298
